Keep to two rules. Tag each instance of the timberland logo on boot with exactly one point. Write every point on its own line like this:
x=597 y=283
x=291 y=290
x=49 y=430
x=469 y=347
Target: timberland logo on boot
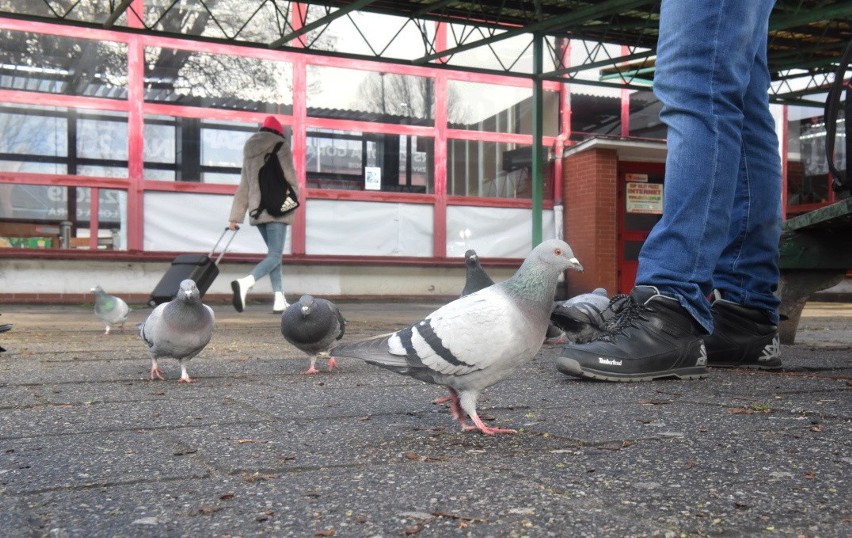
x=702 y=356
x=610 y=362
x=771 y=351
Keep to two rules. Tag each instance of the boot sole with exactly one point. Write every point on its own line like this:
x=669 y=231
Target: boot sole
x=572 y=367
x=238 y=304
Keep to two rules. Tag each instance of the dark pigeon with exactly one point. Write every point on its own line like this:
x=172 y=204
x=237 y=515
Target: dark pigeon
x=178 y=329
x=312 y=325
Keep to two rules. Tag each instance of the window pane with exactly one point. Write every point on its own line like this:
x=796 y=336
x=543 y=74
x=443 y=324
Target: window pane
x=498 y=109
x=368 y=96
x=34 y=139
x=808 y=179
x=62 y=65
x=55 y=213
x=189 y=149
x=369 y=161
x=217 y=81
x=492 y=169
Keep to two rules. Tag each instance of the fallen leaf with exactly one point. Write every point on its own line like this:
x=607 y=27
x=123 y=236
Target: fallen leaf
x=809 y=475
x=226 y=496
x=740 y=411
x=411 y=456
x=326 y=532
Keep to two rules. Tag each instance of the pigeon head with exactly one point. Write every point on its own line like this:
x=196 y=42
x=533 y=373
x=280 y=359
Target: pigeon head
x=553 y=255
x=97 y=290
x=471 y=259
x=307 y=304
x=189 y=291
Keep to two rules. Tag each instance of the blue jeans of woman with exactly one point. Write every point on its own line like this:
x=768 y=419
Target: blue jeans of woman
x=721 y=220
x=273 y=234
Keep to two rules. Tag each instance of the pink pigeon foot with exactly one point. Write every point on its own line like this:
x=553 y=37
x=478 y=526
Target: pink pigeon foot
x=186 y=380
x=442 y=400
x=487 y=430
x=332 y=362
x=310 y=371
x=156 y=372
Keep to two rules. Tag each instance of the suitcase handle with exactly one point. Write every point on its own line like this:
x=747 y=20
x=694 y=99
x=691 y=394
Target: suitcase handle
x=228 y=244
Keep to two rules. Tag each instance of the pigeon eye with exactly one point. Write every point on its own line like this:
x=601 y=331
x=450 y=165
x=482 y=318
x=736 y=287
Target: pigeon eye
x=557 y=251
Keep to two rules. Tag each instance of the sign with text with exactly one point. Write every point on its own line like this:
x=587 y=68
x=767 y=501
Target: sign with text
x=644 y=198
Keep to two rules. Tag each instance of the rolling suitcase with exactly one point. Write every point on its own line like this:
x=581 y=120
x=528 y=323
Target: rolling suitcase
x=199 y=267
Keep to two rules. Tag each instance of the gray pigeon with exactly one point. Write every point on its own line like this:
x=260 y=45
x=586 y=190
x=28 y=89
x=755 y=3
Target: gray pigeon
x=476 y=279
x=476 y=340
x=111 y=310
x=475 y=276
x=582 y=317
x=178 y=329
x=312 y=325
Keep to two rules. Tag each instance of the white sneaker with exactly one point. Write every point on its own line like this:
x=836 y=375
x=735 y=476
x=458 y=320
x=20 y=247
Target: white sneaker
x=240 y=288
x=280 y=304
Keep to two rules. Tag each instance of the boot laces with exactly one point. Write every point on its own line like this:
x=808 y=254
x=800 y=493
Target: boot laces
x=623 y=312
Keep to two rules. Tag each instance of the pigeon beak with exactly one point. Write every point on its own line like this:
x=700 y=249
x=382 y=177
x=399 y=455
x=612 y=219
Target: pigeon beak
x=575 y=264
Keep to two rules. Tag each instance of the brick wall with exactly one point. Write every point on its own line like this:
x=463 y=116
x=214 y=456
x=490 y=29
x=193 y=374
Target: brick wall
x=589 y=198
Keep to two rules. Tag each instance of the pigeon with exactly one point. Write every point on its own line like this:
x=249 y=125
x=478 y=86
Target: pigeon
x=178 y=329
x=477 y=340
x=476 y=279
x=312 y=325
x=583 y=317
x=475 y=276
x=6 y=327
x=111 y=310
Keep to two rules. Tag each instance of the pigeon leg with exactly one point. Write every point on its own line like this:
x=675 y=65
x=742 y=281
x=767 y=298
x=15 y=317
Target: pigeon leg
x=467 y=401
x=312 y=369
x=455 y=408
x=184 y=375
x=442 y=400
x=155 y=371
x=332 y=362
x=107 y=330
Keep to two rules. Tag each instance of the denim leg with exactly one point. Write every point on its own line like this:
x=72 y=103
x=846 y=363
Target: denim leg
x=273 y=234
x=747 y=272
x=707 y=53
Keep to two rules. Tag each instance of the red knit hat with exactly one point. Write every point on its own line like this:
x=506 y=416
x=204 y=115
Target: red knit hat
x=273 y=124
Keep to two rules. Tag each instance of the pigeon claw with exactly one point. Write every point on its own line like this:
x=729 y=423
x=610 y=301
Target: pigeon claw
x=156 y=373
x=186 y=380
x=332 y=362
x=310 y=371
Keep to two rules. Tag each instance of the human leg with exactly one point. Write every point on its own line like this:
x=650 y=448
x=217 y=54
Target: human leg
x=705 y=56
x=745 y=311
x=273 y=234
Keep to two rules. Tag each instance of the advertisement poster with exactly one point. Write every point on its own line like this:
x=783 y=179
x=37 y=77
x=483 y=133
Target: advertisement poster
x=644 y=198
x=372 y=178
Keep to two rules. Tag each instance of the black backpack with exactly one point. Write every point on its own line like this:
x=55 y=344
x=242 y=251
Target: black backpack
x=277 y=197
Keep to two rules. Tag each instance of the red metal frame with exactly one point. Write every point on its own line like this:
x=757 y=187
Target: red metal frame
x=136 y=108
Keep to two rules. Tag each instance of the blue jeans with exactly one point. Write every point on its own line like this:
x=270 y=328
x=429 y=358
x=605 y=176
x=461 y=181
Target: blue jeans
x=721 y=220
x=273 y=234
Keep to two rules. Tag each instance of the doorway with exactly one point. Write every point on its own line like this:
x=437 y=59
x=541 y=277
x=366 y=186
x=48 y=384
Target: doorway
x=640 y=203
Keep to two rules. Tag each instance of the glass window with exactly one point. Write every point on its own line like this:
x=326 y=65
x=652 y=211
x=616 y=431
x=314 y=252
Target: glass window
x=594 y=115
x=808 y=180
x=190 y=149
x=46 y=216
x=645 y=116
x=492 y=169
x=62 y=65
x=369 y=161
x=218 y=81
x=498 y=109
x=34 y=139
x=369 y=96
x=38 y=139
